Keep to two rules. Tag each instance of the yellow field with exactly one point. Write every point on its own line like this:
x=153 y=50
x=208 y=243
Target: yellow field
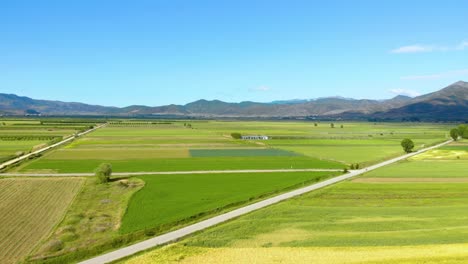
x=453 y=253
x=29 y=210
x=438 y=154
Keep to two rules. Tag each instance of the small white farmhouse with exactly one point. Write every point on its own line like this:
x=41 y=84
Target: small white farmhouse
x=255 y=137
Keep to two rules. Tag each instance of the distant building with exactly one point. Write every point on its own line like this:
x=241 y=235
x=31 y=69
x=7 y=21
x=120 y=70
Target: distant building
x=255 y=137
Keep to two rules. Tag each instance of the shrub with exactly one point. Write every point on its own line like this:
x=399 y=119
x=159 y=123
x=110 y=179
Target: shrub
x=103 y=173
x=54 y=246
x=68 y=236
x=236 y=135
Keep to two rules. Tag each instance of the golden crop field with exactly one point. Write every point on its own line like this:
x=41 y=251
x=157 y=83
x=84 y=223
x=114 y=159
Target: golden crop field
x=29 y=210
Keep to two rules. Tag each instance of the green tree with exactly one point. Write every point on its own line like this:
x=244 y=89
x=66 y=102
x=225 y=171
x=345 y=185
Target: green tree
x=463 y=131
x=236 y=135
x=454 y=133
x=332 y=125
x=103 y=172
x=407 y=145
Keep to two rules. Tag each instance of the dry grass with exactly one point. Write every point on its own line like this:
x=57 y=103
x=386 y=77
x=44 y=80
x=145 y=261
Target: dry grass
x=93 y=217
x=442 y=154
x=29 y=210
x=316 y=255
x=411 y=180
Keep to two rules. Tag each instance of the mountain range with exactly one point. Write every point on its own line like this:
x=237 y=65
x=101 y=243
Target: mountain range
x=447 y=104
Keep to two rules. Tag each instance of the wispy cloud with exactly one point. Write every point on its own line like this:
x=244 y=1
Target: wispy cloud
x=463 y=45
x=261 y=88
x=413 y=49
x=406 y=92
x=419 y=48
x=436 y=76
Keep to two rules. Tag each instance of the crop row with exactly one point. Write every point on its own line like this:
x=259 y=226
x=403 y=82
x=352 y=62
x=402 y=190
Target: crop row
x=139 y=123
x=40 y=203
x=31 y=137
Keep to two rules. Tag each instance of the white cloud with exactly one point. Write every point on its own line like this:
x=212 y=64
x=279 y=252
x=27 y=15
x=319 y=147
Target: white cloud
x=406 y=92
x=462 y=45
x=413 y=49
x=418 y=48
x=261 y=88
x=437 y=76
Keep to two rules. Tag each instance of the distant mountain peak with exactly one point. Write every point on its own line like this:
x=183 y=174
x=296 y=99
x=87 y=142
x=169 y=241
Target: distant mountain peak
x=461 y=83
x=334 y=97
x=401 y=97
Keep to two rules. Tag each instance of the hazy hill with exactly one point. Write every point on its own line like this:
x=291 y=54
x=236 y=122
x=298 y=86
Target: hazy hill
x=19 y=105
x=450 y=103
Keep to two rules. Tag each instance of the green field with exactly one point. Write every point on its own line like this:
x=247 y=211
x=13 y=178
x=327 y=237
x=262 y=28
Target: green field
x=25 y=135
x=241 y=153
x=389 y=208
x=151 y=165
x=207 y=145
x=161 y=203
x=166 y=199
x=410 y=212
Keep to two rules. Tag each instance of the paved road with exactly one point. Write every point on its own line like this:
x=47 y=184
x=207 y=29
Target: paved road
x=180 y=233
x=15 y=160
x=162 y=172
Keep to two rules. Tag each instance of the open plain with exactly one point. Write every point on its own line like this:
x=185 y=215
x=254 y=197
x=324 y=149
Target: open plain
x=218 y=173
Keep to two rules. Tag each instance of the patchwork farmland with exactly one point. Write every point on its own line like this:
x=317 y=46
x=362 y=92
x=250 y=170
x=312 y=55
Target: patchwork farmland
x=410 y=212
x=128 y=209
x=25 y=135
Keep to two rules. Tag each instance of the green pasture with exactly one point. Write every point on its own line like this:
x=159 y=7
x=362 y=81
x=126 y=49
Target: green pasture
x=422 y=169
x=342 y=218
x=241 y=153
x=367 y=219
x=355 y=214
x=10 y=148
x=207 y=145
x=166 y=199
x=27 y=132
x=181 y=164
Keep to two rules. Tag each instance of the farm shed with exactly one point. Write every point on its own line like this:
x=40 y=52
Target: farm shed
x=255 y=137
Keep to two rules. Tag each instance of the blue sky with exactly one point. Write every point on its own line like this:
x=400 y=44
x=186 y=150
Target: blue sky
x=160 y=52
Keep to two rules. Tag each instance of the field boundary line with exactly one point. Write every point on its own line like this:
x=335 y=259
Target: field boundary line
x=167 y=172
x=185 y=231
x=69 y=139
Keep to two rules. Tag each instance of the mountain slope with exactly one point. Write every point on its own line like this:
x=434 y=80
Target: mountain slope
x=450 y=103
x=13 y=104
